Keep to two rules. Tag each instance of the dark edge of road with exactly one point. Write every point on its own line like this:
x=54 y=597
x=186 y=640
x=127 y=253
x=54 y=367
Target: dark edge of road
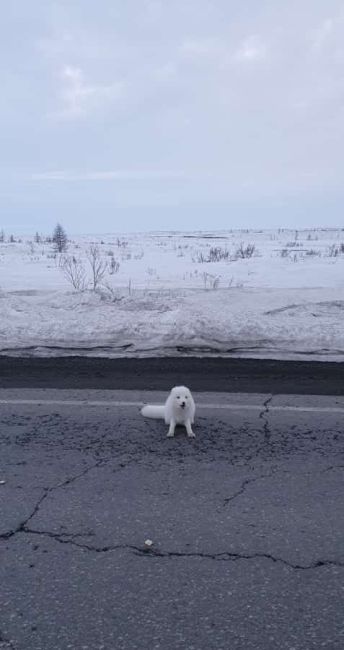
x=206 y=374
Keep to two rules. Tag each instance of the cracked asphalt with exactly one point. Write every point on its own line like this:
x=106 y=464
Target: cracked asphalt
x=246 y=520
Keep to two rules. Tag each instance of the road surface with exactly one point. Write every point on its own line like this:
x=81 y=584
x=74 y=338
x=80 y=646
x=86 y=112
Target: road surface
x=201 y=374
x=246 y=523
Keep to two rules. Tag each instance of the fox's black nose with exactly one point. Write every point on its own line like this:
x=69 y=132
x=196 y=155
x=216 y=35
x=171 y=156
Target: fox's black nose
x=182 y=405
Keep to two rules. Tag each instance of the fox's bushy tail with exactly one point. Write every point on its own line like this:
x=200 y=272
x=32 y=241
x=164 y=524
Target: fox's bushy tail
x=155 y=411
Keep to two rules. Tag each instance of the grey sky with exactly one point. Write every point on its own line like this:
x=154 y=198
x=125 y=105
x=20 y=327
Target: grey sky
x=168 y=114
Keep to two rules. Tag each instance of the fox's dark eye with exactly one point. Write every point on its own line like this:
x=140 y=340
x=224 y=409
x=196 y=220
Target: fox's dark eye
x=178 y=396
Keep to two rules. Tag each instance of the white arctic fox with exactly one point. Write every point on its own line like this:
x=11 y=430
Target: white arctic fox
x=179 y=408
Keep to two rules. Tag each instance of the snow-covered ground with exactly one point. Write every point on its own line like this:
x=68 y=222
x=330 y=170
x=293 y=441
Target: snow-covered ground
x=179 y=293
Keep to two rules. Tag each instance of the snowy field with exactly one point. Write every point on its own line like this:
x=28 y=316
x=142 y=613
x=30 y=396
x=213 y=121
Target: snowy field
x=241 y=293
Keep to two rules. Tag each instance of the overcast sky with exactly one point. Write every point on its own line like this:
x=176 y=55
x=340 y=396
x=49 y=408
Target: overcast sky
x=166 y=114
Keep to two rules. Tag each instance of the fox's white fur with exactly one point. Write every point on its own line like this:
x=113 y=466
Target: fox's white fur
x=179 y=408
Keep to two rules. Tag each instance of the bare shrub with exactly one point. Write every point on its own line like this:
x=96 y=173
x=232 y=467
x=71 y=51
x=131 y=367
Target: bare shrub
x=245 y=252
x=151 y=271
x=111 y=292
x=232 y=284
x=114 y=266
x=98 y=265
x=199 y=257
x=333 y=251
x=121 y=243
x=293 y=244
x=74 y=271
x=215 y=283
x=210 y=281
x=216 y=254
x=313 y=252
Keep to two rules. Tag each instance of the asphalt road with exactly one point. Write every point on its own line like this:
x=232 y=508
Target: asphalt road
x=200 y=374
x=246 y=522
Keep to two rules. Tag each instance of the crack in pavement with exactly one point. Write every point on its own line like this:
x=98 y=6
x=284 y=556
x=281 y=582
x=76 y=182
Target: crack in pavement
x=22 y=527
x=243 y=487
x=332 y=468
x=70 y=538
x=263 y=416
x=224 y=556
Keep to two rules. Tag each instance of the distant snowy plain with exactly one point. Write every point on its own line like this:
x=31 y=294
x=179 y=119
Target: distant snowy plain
x=266 y=293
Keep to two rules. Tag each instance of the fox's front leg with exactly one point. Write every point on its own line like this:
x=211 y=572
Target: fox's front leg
x=189 y=429
x=171 y=429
